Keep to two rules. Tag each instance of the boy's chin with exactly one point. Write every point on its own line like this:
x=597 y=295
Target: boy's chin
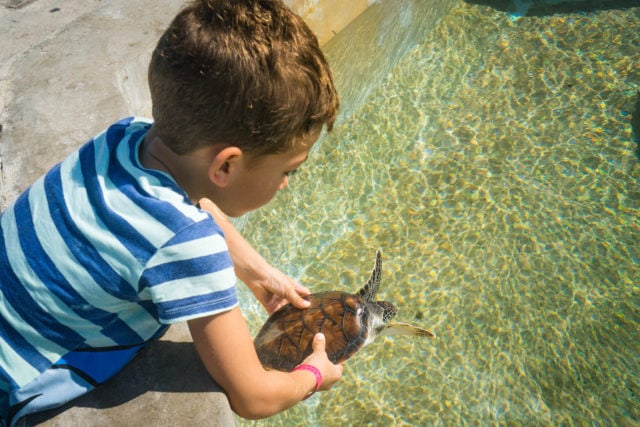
x=236 y=213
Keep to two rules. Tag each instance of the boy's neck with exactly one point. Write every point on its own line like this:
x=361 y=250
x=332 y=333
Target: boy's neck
x=189 y=171
x=160 y=164
x=152 y=152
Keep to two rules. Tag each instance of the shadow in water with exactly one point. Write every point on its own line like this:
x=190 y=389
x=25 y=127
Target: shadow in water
x=544 y=8
x=635 y=124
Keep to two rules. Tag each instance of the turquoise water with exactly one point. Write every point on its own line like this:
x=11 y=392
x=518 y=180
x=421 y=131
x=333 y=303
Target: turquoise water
x=495 y=168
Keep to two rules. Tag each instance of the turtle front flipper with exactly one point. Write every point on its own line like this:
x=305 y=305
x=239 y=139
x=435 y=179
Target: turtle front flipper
x=400 y=328
x=369 y=290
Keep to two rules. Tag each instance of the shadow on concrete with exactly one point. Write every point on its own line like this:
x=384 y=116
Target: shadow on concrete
x=163 y=367
x=542 y=8
x=15 y=4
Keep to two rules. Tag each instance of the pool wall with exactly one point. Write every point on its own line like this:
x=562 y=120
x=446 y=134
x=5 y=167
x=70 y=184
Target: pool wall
x=364 y=52
x=328 y=17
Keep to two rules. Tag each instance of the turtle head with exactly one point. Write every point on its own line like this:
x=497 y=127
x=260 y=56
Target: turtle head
x=388 y=310
x=379 y=314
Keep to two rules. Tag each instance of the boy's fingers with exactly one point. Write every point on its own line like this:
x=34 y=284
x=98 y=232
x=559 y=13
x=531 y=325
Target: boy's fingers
x=295 y=293
x=297 y=300
x=302 y=290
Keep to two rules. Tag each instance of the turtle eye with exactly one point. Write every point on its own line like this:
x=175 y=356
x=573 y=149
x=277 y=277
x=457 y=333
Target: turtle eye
x=388 y=311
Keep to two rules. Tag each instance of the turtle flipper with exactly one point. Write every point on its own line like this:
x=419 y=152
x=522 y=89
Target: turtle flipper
x=369 y=290
x=401 y=328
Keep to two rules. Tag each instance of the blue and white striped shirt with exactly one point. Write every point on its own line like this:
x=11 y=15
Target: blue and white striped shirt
x=101 y=252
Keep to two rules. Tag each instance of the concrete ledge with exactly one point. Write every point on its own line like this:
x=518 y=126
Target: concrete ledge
x=58 y=93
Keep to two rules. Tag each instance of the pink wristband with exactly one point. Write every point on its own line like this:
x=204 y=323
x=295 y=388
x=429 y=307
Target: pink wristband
x=315 y=372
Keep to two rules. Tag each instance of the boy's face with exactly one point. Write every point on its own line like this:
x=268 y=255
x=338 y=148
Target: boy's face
x=257 y=180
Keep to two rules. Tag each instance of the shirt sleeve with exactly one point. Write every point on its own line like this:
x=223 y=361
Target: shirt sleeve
x=191 y=275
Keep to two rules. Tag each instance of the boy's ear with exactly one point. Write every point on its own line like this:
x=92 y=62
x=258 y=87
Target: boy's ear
x=223 y=165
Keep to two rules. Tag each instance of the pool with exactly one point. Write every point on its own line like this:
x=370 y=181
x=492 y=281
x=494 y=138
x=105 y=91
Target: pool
x=495 y=167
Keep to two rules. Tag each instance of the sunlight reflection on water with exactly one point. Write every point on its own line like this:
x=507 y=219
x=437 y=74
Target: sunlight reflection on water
x=504 y=194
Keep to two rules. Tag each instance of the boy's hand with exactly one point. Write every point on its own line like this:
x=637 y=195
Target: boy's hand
x=270 y=286
x=275 y=289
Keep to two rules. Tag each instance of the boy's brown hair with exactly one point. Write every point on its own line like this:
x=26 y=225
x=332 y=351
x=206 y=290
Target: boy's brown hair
x=247 y=73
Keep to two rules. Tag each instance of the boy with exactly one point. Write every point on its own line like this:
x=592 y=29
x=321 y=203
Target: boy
x=129 y=234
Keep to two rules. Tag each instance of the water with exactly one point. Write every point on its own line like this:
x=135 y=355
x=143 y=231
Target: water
x=495 y=168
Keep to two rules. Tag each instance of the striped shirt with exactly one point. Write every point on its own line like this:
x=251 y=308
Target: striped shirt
x=101 y=253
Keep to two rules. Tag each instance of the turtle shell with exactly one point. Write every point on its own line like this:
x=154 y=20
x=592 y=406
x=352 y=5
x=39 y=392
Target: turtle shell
x=286 y=338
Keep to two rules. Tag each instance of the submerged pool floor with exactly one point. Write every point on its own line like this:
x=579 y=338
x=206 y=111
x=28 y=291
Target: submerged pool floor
x=496 y=170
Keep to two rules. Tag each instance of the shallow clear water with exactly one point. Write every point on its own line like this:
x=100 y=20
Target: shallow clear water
x=495 y=168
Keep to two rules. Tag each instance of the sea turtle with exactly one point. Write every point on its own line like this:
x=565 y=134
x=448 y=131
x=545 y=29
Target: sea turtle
x=348 y=321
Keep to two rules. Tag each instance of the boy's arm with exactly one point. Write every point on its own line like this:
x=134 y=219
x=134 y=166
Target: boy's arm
x=270 y=286
x=224 y=344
